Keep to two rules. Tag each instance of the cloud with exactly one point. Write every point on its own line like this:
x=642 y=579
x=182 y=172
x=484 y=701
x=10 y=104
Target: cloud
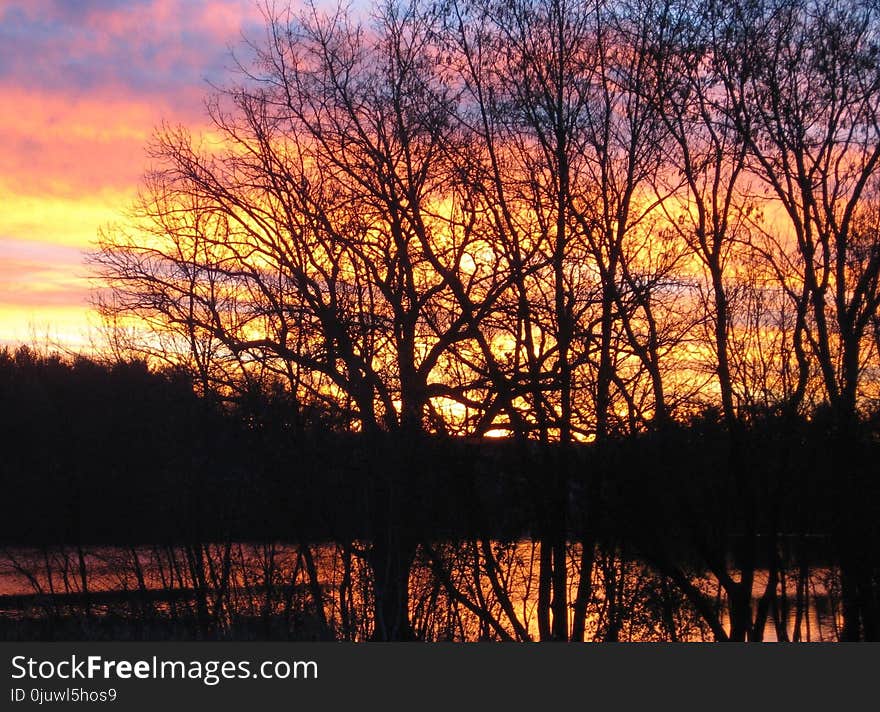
x=58 y=145
x=59 y=220
x=36 y=275
x=151 y=47
x=83 y=84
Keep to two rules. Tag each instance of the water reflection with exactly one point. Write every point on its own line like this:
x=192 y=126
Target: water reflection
x=459 y=591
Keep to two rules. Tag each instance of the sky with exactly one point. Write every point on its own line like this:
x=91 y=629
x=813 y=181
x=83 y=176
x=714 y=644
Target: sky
x=83 y=85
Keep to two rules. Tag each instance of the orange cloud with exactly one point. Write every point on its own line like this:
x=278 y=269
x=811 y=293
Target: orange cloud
x=82 y=87
x=74 y=146
x=44 y=294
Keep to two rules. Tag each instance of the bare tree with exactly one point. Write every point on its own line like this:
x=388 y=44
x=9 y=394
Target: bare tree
x=804 y=81
x=561 y=221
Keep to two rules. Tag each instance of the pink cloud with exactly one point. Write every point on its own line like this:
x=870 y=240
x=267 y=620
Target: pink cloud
x=82 y=87
x=150 y=47
x=77 y=145
x=34 y=276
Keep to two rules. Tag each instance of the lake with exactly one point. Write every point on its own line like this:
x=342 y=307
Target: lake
x=460 y=591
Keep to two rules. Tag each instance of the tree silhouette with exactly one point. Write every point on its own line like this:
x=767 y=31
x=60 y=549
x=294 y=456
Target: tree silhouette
x=559 y=222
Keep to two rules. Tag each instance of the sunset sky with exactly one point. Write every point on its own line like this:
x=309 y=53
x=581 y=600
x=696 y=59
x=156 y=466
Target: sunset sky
x=83 y=83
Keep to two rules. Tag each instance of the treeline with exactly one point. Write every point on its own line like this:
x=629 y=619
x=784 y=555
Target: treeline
x=119 y=455
x=563 y=222
x=116 y=453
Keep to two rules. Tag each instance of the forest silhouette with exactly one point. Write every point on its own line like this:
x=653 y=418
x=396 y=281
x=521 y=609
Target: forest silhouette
x=116 y=456
x=597 y=279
